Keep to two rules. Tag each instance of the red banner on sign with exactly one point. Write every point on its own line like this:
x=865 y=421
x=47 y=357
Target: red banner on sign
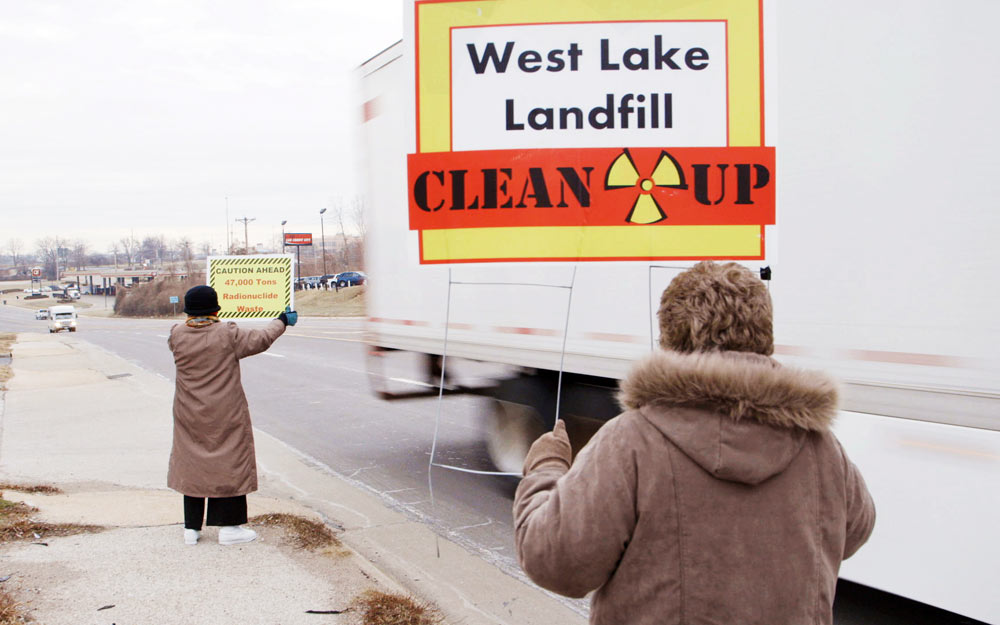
x=591 y=187
x=298 y=238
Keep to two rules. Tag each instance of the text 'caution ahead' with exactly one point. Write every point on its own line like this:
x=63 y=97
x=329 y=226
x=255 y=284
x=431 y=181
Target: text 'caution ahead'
x=251 y=287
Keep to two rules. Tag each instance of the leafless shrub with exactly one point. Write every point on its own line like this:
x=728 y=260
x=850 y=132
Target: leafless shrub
x=152 y=299
x=306 y=533
x=382 y=608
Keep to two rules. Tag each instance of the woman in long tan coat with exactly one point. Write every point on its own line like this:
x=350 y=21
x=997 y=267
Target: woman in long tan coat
x=213 y=451
x=719 y=496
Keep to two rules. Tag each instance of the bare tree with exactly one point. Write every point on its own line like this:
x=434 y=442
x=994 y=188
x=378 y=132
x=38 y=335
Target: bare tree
x=115 y=249
x=78 y=253
x=205 y=247
x=98 y=259
x=185 y=252
x=15 y=246
x=360 y=226
x=49 y=252
x=338 y=212
x=153 y=248
x=129 y=249
x=358 y=216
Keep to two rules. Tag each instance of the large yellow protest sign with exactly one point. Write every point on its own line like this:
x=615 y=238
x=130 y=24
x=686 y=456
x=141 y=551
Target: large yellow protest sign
x=251 y=287
x=591 y=131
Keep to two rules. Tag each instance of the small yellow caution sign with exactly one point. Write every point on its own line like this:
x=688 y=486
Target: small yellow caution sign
x=252 y=287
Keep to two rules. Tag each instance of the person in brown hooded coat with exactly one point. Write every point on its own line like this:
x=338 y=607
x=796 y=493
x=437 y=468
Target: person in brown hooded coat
x=213 y=454
x=720 y=496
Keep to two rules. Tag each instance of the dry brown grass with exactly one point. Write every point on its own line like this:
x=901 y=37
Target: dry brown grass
x=382 y=608
x=12 y=611
x=7 y=340
x=16 y=524
x=349 y=302
x=305 y=533
x=43 y=489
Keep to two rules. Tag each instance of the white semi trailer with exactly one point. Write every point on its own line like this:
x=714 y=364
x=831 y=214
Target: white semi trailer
x=884 y=275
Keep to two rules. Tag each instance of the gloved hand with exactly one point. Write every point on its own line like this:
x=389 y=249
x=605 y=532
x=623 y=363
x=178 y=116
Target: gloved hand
x=289 y=317
x=551 y=449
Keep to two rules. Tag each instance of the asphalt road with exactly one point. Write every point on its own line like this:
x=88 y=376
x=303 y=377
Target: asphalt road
x=311 y=390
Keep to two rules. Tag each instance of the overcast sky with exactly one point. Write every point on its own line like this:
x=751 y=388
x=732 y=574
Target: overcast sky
x=144 y=115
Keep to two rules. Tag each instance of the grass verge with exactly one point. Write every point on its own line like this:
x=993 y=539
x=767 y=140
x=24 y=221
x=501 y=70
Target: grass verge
x=7 y=340
x=16 y=523
x=305 y=533
x=12 y=611
x=382 y=608
x=43 y=489
x=348 y=302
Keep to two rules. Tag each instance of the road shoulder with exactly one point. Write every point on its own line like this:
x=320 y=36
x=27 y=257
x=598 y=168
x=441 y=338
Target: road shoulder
x=105 y=425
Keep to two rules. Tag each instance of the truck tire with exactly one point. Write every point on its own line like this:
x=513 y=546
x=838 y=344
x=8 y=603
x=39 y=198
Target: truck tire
x=525 y=408
x=511 y=428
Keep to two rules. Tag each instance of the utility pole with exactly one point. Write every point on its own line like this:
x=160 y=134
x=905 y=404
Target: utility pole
x=322 y=234
x=246 y=240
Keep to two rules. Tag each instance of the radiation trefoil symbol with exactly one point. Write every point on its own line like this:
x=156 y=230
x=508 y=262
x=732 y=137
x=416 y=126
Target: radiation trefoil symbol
x=624 y=174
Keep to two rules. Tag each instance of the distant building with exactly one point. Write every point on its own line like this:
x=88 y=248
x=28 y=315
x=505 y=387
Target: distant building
x=98 y=280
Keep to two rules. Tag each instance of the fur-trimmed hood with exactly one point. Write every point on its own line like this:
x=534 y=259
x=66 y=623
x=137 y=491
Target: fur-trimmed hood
x=741 y=416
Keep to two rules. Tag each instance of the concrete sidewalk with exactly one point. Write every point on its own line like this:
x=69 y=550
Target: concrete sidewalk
x=99 y=428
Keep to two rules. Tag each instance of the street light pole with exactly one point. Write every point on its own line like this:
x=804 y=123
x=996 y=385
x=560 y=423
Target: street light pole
x=322 y=234
x=283 y=222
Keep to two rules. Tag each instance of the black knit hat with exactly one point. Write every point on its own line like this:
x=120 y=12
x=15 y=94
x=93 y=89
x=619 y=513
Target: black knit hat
x=201 y=300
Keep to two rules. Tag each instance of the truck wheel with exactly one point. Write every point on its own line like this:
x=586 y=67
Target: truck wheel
x=510 y=430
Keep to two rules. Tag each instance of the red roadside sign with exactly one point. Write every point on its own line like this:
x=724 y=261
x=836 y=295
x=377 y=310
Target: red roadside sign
x=298 y=238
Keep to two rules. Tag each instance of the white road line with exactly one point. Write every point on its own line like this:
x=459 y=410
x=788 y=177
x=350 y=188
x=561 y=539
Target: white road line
x=343 y=331
x=417 y=382
x=163 y=336
x=273 y=355
x=325 y=338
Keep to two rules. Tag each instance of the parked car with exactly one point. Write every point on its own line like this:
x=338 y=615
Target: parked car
x=42 y=314
x=328 y=279
x=307 y=282
x=351 y=278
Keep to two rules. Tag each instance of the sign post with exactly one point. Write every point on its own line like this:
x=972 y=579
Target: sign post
x=252 y=287
x=36 y=277
x=173 y=300
x=298 y=240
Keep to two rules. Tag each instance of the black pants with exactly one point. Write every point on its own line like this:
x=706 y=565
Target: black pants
x=221 y=511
